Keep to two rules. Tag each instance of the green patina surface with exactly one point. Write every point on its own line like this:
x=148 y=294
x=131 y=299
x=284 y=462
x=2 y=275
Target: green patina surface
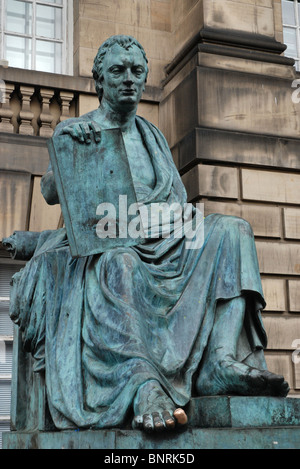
x=136 y=329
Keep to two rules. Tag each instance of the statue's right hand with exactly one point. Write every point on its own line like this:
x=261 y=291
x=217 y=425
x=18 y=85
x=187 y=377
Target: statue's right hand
x=83 y=131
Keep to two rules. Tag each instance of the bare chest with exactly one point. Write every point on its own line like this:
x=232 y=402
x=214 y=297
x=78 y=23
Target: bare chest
x=139 y=160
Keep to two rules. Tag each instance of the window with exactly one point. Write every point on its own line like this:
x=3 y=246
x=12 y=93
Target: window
x=37 y=35
x=291 y=29
x=7 y=269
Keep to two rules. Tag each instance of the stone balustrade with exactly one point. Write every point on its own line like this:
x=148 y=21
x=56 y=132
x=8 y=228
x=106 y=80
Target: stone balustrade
x=35 y=110
x=33 y=103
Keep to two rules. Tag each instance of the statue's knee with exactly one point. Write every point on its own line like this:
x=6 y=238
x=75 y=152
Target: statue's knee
x=124 y=259
x=241 y=225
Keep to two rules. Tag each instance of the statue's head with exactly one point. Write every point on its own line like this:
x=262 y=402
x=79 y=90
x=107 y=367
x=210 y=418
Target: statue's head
x=125 y=42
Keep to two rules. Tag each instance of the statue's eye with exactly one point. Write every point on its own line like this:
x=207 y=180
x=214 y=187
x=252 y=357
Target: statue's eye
x=116 y=70
x=138 y=71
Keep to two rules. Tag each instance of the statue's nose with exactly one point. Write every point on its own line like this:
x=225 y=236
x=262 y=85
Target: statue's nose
x=128 y=77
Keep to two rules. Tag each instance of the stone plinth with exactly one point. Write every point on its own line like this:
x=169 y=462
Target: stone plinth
x=214 y=423
x=243 y=412
x=191 y=439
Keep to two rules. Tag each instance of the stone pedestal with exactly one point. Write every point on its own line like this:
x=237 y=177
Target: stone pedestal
x=214 y=423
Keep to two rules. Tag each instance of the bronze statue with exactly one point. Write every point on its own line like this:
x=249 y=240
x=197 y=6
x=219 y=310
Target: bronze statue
x=136 y=331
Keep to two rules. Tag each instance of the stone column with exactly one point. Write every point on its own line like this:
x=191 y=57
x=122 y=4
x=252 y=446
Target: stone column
x=26 y=115
x=6 y=112
x=45 y=119
x=66 y=98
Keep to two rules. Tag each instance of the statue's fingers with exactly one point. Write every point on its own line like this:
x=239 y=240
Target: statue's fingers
x=180 y=416
x=86 y=132
x=67 y=130
x=74 y=131
x=95 y=127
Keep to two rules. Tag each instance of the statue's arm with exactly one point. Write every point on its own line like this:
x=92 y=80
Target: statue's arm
x=48 y=187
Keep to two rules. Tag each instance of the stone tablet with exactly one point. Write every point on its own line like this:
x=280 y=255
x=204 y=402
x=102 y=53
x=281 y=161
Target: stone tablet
x=90 y=178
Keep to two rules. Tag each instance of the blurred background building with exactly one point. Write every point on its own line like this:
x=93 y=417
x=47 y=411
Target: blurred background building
x=224 y=87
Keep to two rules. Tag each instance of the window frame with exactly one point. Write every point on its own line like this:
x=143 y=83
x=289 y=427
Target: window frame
x=67 y=34
x=296 y=27
x=7 y=339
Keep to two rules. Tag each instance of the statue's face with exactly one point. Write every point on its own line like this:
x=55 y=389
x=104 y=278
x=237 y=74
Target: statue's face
x=123 y=78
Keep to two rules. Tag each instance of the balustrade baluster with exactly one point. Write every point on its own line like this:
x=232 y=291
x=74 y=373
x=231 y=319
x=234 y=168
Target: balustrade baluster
x=66 y=98
x=46 y=118
x=6 y=112
x=26 y=115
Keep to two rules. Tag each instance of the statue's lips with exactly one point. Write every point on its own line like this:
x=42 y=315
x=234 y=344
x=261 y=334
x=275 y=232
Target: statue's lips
x=128 y=92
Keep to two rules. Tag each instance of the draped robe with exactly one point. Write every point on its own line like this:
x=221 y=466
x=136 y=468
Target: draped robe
x=103 y=325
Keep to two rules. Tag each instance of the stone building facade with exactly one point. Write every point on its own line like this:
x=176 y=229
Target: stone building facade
x=225 y=94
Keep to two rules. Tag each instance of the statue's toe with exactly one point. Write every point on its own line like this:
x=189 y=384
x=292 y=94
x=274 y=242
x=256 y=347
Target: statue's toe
x=180 y=416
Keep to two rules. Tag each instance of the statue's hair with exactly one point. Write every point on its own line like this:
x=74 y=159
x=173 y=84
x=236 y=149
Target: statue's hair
x=124 y=41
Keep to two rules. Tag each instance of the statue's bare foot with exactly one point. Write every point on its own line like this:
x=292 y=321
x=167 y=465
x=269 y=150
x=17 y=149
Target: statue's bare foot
x=155 y=411
x=232 y=377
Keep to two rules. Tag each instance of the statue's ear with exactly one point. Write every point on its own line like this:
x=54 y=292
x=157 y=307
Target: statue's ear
x=145 y=82
x=99 y=83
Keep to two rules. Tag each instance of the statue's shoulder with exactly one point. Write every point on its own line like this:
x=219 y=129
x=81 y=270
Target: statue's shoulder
x=142 y=122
